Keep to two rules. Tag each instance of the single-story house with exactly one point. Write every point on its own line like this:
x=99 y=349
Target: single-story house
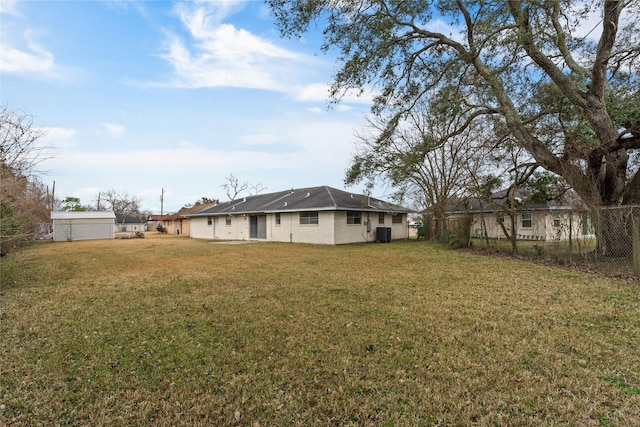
x=547 y=221
x=130 y=224
x=322 y=215
x=69 y=226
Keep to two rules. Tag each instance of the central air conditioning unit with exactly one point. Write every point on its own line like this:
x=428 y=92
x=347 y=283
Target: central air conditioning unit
x=383 y=234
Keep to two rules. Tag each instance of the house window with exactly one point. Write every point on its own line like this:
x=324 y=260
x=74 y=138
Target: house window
x=354 y=218
x=556 y=220
x=396 y=219
x=209 y=220
x=308 y=218
x=526 y=220
x=500 y=219
x=228 y=221
x=278 y=220
x=381 y=218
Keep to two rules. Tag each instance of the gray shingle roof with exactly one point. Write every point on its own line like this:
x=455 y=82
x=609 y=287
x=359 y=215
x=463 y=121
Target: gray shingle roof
x=569 y=200
x=303 y=199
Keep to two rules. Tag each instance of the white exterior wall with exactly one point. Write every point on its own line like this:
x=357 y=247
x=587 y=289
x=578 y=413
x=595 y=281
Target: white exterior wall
x=399 y=231
x=332 y=228
x=128 y=227
x=238 y=230
x=537 y=231
x=567 y=220
x=284 y=231
x=66 y=230
x=290 y=229
x=354 y=233
x=199 y=228
x=542 y=226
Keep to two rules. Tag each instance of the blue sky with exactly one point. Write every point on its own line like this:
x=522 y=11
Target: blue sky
x=141 y=96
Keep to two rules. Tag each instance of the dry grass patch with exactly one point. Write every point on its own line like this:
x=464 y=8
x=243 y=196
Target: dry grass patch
x=175 y=331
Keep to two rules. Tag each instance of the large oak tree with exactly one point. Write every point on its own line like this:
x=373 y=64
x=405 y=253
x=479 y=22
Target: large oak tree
x=572 y=102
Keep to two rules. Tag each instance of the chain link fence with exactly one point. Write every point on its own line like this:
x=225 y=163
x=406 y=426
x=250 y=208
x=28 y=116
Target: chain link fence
x=605 y=240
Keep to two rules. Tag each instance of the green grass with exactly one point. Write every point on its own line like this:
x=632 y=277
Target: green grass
x=175 y=331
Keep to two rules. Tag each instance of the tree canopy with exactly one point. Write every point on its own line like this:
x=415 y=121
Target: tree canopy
x=531 y=67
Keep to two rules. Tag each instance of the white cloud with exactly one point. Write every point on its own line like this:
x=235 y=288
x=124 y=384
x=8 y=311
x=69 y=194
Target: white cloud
x=257 y=139
x=319 y=92
x=31 y=59
x=221 y=54
x=315 y=92
x=276 y=155
x=114 y=130
x=20 y=51
x=57 y=134
x=343 y=108
x=57 y=138
x=9 y=7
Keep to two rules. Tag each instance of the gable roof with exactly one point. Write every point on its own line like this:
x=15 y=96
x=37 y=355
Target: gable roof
x=321 y=198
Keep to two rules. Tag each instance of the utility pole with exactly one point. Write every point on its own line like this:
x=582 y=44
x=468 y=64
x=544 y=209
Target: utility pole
x=162 y=204
x=53 y=196
x=162 y=212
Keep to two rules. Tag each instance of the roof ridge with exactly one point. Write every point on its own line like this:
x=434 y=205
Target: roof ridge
x=328 y=189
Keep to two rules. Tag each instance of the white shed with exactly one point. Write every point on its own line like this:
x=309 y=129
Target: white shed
x=69 y=226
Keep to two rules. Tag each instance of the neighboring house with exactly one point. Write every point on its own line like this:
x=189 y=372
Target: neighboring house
x=70 y=226
x=553 y=220
x=321 y=215
x=154 y=221
x=169 y=223
x=176 y=223
x=130 y=224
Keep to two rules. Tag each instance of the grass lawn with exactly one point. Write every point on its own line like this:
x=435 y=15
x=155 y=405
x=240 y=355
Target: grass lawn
x=175 y=331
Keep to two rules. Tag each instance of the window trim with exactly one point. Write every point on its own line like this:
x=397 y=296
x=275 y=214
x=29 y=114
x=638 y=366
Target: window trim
x=308 y=217
x=227 y=221
x=278 y=219
x=209 y=220
x=354 y=218
x=530 y=220
x=394 y=221
x=381 y=216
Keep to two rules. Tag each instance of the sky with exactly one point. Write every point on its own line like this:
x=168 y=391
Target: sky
x=141 y=97
x=170 y=97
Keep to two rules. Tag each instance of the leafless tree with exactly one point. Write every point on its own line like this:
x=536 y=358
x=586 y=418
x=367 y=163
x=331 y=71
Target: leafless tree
x=19 y=150
x=422 y=156
x=24 y=200
x=121 y=203
x=234 y=187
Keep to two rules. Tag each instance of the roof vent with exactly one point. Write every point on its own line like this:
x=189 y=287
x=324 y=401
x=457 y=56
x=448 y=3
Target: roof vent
x=285 y=203
x=352 y=196
x=308 y=194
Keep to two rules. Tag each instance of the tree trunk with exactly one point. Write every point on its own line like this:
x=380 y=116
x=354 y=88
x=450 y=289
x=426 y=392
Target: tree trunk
x=614 y=228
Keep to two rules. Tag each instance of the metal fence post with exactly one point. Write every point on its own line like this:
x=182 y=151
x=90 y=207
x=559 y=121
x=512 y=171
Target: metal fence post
x=570 y=238
x=636 y=244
